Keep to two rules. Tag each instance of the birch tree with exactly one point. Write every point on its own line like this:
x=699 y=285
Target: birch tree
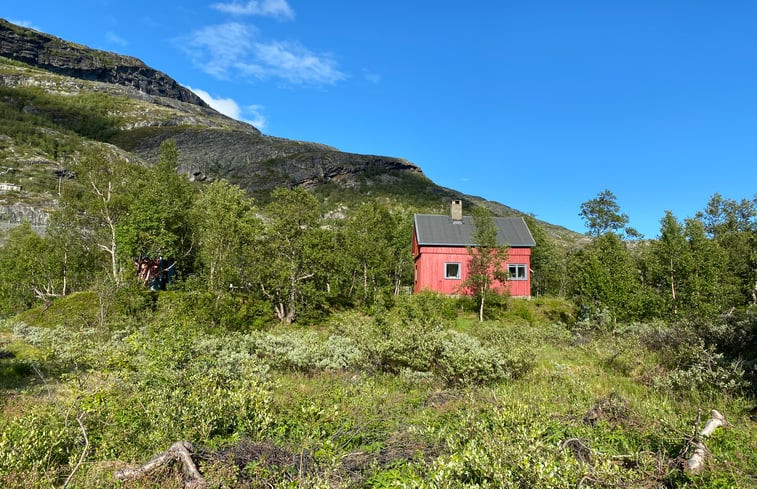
x=157 y=222
x=672 y=262
x=227 y=230
x=97 y=199
x=602 y=214
x=487 y=263
x=287 y=268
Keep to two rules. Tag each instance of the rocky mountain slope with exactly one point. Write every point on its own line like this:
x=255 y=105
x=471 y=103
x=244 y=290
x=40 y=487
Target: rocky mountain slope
x=56 y=96
x=65 y=58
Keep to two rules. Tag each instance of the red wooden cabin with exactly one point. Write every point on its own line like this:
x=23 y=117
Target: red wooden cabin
x=440 y=248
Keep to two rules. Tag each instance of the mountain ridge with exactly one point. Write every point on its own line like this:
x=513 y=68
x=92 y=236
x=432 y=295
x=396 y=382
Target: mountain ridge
x=112 y=99
x=66 y=58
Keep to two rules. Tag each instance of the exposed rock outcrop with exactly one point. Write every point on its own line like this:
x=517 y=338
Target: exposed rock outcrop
x=58 y=56
x=17 y=213
x=255 y=162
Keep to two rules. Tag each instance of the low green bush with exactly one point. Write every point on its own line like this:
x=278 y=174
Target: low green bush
x=404 y=342
x=38 y=441
x=135 y=414
x=426 y=310
x=224 y=312
x=306 y=351
x=462 y=359
x=687 y=362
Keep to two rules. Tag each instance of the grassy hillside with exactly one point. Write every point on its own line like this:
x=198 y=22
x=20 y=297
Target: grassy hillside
x=419 y=395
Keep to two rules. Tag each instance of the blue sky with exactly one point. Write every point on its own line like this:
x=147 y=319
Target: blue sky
x=539 y=105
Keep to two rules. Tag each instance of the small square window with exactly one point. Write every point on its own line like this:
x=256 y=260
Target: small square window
x=516 y=272
x=452 y=270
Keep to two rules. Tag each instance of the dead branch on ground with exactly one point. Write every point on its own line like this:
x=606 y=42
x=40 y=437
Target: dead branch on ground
x=83 y=452
x=181 y=452
x=695 y=463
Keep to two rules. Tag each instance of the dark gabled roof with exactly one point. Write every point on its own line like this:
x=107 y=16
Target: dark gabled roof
x=436 y=230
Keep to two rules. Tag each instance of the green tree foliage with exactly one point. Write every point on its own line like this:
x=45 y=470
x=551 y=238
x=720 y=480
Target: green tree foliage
x=228 y=233
x=671 y=263
x=604 y=279
x=487 y=264
x=602 y=214
x=288 y=273
x=157 y=223
x=548 y=274
x=687 y=272
x=733 y=225
x=98 y=199
x=35 y=268
x=708 y=291
x=400 y=241
x=19 y=261
x=377 y=253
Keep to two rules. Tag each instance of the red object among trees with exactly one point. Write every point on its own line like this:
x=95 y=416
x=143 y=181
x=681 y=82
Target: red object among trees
x=440 y=249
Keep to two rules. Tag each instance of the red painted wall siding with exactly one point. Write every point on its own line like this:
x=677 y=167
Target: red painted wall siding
x=430 y=263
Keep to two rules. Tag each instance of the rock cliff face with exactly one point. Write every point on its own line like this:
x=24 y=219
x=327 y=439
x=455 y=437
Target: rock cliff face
x=258 y=162
x=18 y=213
x=54 y=54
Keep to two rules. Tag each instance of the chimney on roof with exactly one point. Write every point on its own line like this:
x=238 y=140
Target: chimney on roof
x=456 y=211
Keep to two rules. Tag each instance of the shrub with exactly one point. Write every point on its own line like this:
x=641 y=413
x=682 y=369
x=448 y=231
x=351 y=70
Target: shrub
x=706 y=370
x=305 y=351
x=38 y=441
x=229 y=312
x=478 y=457
x=426 y=309
x=462 y=360
x=688 y=362
x=418 y=345
x=136 y=414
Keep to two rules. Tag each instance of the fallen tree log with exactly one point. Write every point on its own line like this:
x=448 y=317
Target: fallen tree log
x=695 y=463
x=180 y=452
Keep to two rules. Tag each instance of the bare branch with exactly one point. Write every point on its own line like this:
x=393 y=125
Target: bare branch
x=181 y=452
x=83 y=452
x=695 y=463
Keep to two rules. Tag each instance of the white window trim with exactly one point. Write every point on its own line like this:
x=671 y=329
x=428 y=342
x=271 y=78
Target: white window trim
x=515 y=277
x=459 y=270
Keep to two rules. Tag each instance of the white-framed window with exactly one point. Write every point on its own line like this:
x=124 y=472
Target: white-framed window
x=452 y=271
x=517 y=271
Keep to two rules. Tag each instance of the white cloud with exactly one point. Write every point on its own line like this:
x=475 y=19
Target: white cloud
x=251 y=114
x=255 y=116
x=217 y=48
x=25 y=23
x=292 y=62
x=279 y=9
x=228 y=49
x=114 y=38
x=371 y=77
